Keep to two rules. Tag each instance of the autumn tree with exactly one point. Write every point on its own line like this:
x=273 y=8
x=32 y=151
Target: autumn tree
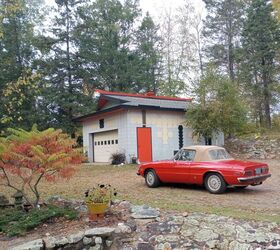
x=218 y=107
x=28 y=157
x=276 y=6
x=18 y=99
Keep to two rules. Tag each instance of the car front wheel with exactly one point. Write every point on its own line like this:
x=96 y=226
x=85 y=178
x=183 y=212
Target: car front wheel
x=215 y=183
x=152 y=179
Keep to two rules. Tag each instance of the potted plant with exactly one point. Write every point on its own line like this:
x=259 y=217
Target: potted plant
x=98 y=200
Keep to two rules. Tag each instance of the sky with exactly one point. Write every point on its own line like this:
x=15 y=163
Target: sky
x=155 y=6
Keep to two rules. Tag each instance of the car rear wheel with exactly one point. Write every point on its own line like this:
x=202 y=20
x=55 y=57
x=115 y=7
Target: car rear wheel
x=215 y=183
x=152 y=179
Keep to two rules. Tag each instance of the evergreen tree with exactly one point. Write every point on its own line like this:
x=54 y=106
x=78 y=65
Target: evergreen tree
x=105 y=38
x=148 y=55
x=223 y=27
x=260 y=41
x=18 y=23
x=64 y=95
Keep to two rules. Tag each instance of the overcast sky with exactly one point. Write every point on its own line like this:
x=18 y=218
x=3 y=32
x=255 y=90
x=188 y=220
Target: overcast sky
x=155 y=6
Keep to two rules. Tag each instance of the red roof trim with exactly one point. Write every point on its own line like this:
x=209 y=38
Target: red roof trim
x=103 y=92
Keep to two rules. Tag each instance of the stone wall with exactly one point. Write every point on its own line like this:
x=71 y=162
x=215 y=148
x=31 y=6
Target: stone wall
x=254 y=148
x=151 y=229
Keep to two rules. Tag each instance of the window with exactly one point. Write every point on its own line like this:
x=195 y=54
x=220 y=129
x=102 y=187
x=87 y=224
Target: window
x=101 y=123
x=109 y=142
x=113 y=141
x=185 y=155
x=116 y=141
x=219 y=154
x=99 y=143
x=105 y=142
x=95 y=143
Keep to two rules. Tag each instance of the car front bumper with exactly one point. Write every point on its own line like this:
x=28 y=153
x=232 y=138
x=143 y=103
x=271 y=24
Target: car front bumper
x=253 y=179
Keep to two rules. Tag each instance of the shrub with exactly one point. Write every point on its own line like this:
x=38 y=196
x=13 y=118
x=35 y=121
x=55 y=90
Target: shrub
x=16 y=222
x=118 y=158
x=35 y=155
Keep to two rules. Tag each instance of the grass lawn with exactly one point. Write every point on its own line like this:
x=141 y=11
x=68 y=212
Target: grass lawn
x=258 y=203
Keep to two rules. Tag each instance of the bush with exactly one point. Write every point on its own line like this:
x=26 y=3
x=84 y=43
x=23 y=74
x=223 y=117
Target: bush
x=36 y=155
x=118 y=158
x=17 y=222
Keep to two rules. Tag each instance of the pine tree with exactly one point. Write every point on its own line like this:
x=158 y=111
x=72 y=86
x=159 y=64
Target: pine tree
x=260 y=41
x=64 y=95
x=18 y=22
x=223 y=27
x=148 y=55
x=105 y=38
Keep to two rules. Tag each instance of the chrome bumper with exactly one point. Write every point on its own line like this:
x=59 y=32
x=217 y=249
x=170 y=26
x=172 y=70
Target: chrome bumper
x=254 y=178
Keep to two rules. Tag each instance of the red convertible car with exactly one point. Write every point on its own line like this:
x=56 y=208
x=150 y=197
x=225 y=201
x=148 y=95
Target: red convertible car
x=210 y=166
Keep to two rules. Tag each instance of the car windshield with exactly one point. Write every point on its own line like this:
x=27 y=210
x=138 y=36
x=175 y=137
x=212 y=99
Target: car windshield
x=219 y=154
x=185 y=155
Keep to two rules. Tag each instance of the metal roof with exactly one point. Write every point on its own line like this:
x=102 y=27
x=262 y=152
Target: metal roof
x=124 y=100
x=150 y=102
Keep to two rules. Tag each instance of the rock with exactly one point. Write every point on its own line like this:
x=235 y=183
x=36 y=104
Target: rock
x=144 y=212
x=61 y=241
x=212 y=244
x=275 y=245
x=74 y=238
x=87 y=240
x=235 y=245
x=144 y=246
x=205 y=235
x=165 y=246
x=125 y=205
x=100 y=231
x=123 y=229
x=49 y=242
x=109 y=243
x=98 y=240
x=96 y=247
x=31 y=245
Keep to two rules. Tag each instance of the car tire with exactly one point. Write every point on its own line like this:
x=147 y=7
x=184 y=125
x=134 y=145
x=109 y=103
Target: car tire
x=151 y=179
x=215 y=183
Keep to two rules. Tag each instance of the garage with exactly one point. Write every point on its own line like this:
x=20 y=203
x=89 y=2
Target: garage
x=104 y=145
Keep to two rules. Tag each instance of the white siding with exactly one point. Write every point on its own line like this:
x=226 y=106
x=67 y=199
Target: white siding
x=115 y=121
x=164 y=124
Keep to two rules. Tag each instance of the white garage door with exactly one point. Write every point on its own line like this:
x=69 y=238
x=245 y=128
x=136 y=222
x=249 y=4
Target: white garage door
x=104 y=144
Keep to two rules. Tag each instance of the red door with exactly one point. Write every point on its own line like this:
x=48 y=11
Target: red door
x=144 y=144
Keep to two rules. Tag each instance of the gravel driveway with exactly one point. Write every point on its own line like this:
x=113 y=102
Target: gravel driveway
x=258 y=200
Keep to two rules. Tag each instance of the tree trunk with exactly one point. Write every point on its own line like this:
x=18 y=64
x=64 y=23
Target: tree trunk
x=266 y=95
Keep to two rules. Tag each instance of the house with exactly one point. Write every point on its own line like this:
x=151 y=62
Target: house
x=145 y=126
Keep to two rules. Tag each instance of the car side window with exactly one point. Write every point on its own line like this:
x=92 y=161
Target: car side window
x=185 y=155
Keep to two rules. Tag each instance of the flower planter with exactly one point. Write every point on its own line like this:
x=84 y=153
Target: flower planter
x=96 y=210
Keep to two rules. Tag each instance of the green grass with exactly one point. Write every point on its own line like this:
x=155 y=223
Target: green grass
x=17 y=222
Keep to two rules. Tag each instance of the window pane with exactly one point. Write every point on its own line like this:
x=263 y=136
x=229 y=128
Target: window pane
x=219 y=154
x=185 y=155
x=113 y=141
x=116 y=141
